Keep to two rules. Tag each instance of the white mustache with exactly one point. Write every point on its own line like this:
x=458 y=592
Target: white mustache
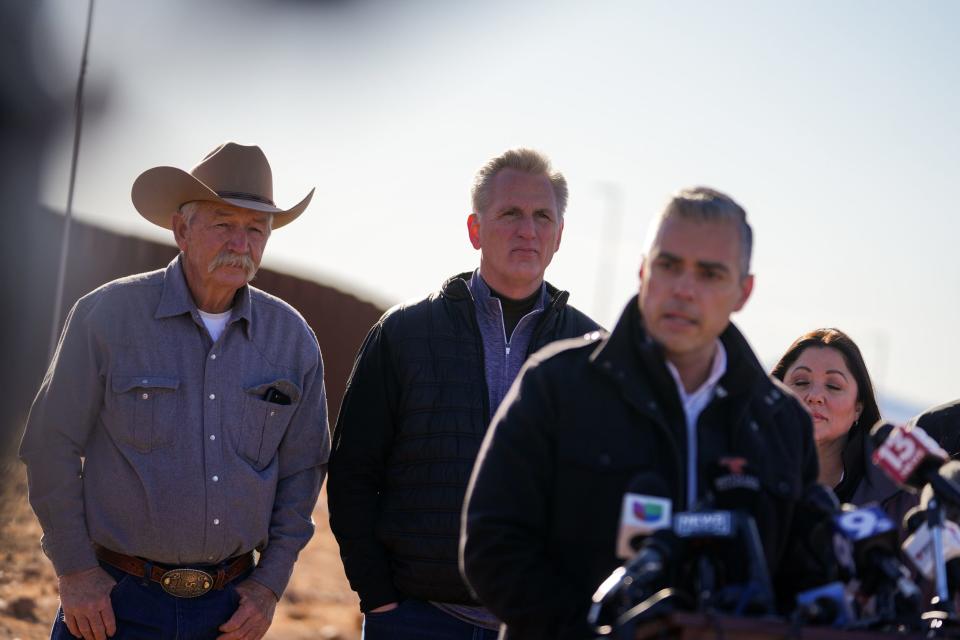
x=229 y=259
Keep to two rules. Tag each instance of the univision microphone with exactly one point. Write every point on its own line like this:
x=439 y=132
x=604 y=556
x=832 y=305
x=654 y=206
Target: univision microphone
x=645 y=510
x=645 y=541
x=650 y=571
x=708 y=558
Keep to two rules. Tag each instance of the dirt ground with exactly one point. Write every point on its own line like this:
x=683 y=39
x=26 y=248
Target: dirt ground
x=318 y=604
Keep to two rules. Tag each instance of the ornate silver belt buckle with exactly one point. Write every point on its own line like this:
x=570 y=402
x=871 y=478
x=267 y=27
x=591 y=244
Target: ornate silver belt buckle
x=186 y=583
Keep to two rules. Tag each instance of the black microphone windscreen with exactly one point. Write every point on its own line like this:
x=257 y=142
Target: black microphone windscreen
x=662 y=548
x=880 y=432
x=951 y=471
x=914 y=519
x=953 y=575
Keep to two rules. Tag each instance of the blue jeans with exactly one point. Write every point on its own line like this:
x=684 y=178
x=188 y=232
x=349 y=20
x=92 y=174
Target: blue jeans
x=144 y=610
x=419 y=620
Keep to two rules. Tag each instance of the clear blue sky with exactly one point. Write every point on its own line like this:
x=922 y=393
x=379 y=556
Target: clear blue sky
x=834 y=124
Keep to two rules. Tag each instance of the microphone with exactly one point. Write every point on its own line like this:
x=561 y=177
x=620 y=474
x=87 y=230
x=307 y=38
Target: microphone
x=702 y=553
x=825 y=605
x=726 y=567
x=829 y=556
x=732 y=557
x=874 y=539
x=643 y=512
x=913 y=519
x=918 y=546
x=649 y=570
x=912 y=459
x=714 y=554
x=951 y=537
x=949 y=471
x=827 y=552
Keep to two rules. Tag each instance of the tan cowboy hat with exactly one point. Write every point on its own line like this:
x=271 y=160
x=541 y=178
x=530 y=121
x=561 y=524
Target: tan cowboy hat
x=232 y=174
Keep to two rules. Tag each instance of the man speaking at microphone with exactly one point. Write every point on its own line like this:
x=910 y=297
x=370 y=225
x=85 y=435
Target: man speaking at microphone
x=674 y=390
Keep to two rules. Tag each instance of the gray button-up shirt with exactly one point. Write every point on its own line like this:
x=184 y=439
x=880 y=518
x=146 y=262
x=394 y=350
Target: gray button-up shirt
x=186 y=461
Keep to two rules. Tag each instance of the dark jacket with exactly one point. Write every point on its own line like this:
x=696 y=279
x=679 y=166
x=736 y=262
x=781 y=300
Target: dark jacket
x=585 y=420
x=410 y=426
x=874 y=485
x=942 y=423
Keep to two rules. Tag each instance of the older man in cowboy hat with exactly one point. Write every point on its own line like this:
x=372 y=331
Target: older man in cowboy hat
x=182 y=424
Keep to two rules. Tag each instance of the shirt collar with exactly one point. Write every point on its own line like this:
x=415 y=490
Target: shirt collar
x=485 y=300
x=717 y=369
x=176 y=298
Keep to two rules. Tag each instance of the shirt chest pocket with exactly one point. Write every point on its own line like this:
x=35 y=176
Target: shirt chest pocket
x=146 y=410
x=267 y=411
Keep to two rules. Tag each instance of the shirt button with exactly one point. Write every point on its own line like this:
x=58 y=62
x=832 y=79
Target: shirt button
x=216 y=521
x=144 y=381
x=213 y=437
x=213 y=356
x=216 y=478
x=145 y=396
x=209 y=557
x=213 y=396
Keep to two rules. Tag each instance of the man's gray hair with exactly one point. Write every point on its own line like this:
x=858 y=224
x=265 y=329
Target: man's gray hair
x=707 y=205
x=189 y=209
x=525 y=160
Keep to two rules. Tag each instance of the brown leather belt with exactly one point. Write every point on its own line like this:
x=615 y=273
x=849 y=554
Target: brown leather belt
x=182 y=582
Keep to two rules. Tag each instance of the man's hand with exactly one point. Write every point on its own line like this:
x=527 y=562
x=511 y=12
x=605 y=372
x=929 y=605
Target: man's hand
x=254 y=615
x=85 y=599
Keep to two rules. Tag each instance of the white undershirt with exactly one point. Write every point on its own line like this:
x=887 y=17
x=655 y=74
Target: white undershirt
x=215 y=322
x=693 y=405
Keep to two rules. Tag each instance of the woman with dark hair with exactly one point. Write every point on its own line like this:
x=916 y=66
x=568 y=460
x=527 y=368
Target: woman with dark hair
x=825 y=369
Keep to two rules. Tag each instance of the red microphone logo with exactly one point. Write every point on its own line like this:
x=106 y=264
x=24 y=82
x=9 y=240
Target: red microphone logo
x=735 y=466
x=904 y=451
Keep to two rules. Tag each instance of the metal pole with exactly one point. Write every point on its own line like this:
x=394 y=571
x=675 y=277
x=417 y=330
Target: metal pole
x=935 y=521
x=609 y=245
x=65 y=243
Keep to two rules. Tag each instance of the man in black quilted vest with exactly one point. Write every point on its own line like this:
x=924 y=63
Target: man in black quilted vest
x=426 y=382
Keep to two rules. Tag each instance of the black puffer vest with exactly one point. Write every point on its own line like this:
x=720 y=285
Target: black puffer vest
x=442 y=419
